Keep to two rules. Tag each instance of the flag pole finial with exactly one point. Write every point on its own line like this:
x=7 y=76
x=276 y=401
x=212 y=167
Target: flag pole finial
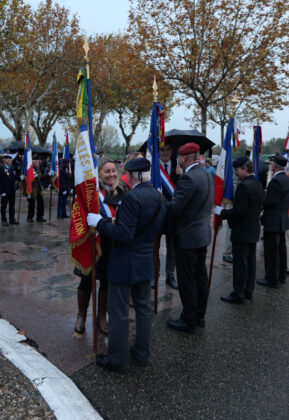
x=155 y=90
x=86 y=49
x=234 y=102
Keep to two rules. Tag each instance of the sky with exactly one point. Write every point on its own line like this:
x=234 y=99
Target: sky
x=105 y=16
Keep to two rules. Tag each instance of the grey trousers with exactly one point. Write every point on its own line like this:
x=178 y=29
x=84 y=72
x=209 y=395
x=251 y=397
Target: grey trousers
x=118 y=309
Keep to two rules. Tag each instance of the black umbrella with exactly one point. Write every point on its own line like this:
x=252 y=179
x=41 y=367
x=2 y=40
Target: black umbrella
x=177 y=138
x=16 y=146
x=40 y=150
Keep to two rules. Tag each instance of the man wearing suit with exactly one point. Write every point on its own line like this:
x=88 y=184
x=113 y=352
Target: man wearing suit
x=191 y=211
x=276 y=223
x=130 y=270
x=7 y=190
x=165 y=154
x=244 y=219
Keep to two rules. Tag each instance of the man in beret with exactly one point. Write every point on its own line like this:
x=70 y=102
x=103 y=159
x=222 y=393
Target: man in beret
x=7 y=190
x=276 y=223
x=130 y=270
x=190 y=210
x=244 y=219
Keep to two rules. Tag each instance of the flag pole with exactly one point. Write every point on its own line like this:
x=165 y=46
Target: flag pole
x=20 y=201
x=93 y=231
x=217 y=219
x=157 y=239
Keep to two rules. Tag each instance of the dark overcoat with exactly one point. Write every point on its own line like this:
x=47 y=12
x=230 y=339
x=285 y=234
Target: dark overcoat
x=7 y=180
x=276 y=204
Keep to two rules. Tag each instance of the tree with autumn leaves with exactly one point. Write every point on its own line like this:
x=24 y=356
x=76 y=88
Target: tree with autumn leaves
x=209 y=49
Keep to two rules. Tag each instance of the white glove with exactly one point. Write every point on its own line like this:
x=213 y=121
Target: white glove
x=93 y=219
x=64 y=193
x=51 y=173
x=218 y=210
x=22 y=177
x=3 y=195
x=35 y=175
x=71 y=191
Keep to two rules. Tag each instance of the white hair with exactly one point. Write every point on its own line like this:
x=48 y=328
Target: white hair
x=142 y=176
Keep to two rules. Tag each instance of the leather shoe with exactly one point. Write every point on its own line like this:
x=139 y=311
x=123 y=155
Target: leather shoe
x=232 y=298
x=180 y=325
x=41 y=220
x=266 y=284
x=228 y=259
x=5 y=223
x=103 y=361
x=170 y=281
x=30 y=221
x=137 y=361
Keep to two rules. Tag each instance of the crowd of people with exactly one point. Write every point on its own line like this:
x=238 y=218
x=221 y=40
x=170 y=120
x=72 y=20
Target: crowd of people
x=133 y=214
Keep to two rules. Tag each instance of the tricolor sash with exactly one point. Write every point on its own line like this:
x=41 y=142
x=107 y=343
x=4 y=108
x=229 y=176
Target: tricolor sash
x=167 y=183
x=106 y=210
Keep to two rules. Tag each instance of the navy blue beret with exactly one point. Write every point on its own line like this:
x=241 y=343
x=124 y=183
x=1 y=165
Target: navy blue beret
x=240 y=161
x=280 y=160
x=138 y=165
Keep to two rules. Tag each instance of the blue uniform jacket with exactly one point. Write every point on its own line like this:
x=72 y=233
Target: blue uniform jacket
x=132 y=260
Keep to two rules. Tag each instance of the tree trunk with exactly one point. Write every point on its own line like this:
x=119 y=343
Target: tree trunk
x=98 y=126
x=127 y=143
x=204 y=120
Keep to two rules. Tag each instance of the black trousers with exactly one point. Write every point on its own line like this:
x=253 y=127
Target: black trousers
x=4 y=201
x=193 y=283
x=244 y=268
x=275 y=257
x=40 y=207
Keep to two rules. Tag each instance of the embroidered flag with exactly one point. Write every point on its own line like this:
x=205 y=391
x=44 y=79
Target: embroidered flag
x=27 y=167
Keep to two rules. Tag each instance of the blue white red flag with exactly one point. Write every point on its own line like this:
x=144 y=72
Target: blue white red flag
x=55 y=163
x=224 y=189
x=286 y=147
x=167 y=183
x=154 y=141
x=27 y=168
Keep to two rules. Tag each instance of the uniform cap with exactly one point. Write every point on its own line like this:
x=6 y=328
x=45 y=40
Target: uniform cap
x=280 y=160
x=7 y=156
x=188 y=148
x=138 y=165
x=240 y=161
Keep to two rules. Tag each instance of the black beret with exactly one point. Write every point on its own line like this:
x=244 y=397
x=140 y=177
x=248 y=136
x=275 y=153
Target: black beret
x=240 y=161
x=138 y=165
x=280 y=160
x=7 y=156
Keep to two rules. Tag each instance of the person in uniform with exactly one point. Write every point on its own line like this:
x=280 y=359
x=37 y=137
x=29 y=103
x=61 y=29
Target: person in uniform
x=165 y=155
x=190 y=209
x=130 y=269
x=275 y=221
x=36 y=194
x=64 y=189
x=7 y=190
x=110 y=196
x=244 y=220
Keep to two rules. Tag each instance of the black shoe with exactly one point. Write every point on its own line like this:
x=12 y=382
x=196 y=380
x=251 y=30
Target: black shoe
x=266 y=284
x=137 y=361
x=103 y=361
x=41 y=220
x=30 y=221
x=248 y=296
x=201 y=323
x=180 y=325
x=228 y=259
x=232 y=298
x=170 y=281
x=14 y=222
x=5 y=223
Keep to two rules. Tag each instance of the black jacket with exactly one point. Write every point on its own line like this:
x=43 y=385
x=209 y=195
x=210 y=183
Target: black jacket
x=64 y=181
x=7 y=180
x=276 y=204
x=244 y=217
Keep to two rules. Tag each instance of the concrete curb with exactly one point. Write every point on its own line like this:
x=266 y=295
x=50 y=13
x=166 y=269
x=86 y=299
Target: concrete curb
x=59 y=392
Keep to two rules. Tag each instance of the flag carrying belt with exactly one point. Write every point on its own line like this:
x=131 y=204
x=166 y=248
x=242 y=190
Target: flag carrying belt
x=105 y=209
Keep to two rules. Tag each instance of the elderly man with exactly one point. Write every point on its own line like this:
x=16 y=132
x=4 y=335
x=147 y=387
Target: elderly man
x=276 y=223
x=244 y=219
x=190 y=209
x=141 y=215
x=7 y=190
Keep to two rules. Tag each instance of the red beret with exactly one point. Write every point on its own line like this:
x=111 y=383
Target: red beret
x=188 y=148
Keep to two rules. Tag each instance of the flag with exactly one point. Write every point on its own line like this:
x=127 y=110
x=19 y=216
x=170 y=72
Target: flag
x=66 y=154
x=86 y=201
x=82 y=99
x=223 y=180
x=27 y=167
x=55 y=163
x=257 y=145
x=236 y=141
x=154 y=142
x=286 y=147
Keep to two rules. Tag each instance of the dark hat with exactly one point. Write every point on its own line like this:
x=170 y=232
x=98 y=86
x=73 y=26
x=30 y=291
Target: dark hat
x=7 y=156
x=36 y=157
x=280 y=160
x=138 y=165
x=188 y=148
x=240 y=161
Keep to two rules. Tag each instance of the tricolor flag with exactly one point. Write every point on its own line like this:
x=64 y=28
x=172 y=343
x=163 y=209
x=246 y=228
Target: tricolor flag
x=224 y=189
x=27 y=168
x=167 y=183
x=236 y=141
x=286 y=147
x=86 y=201
x=257 y=146
x=154 y=142
x=55 y=163
x=66 y=154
